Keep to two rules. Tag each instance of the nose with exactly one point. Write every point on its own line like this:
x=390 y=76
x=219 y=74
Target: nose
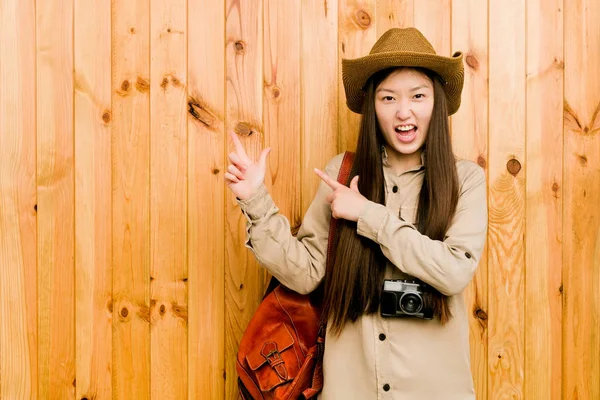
x=403 y=110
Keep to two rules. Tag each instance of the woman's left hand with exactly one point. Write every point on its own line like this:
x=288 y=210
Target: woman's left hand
x=346 y=202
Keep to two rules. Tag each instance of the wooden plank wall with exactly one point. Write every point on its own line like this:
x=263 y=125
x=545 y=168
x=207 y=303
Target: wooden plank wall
x=122 y=267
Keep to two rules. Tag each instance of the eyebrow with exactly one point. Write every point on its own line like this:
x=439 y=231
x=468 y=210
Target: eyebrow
x=414 y=89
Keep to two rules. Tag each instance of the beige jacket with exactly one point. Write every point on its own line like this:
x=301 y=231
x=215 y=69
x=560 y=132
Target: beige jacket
x=375 y=357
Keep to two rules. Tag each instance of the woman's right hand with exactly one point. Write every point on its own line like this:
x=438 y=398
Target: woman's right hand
x=245 y=176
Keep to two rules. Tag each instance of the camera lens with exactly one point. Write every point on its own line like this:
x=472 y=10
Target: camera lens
x=411 y=303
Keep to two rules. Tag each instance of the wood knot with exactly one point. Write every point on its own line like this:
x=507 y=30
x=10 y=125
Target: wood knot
x=239 y=47
x=583 y=160
x=243 y=129
x=555 y=187
x=125 y=85
x=106 y=117
x=481 y=162
x=109 y=305
x=479 y=313
x=169 y=30
x=472 y=61
x=142 y=85
x=201 y=113
x=241 y=286
x=560 y=64
x=124 y=312
x=276 y=92
x=132 y=30
x=513 y=166
x=164 y=83
x=175 y=81
x=363 y=19
x=162 y=309
x=215 y=171
x=560 y=289
x=35 y=207
x=180 y=311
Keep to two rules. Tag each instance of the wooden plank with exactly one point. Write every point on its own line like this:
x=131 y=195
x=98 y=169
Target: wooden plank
x=18 y=279
x=93 y=251
x=470 y=141
x=506 y=199
x=543 y=300
x=319 y=91
x=357 y=32
x=206 y=212
x=244 y=279
x=434 y=19
x=168 y=199
x=281 y=104
x=581 y=273
x=56 y=270
x=130 y=198
x=395 y=14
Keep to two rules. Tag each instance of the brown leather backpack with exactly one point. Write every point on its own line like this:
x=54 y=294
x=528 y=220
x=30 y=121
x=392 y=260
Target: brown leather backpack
x=281 y=352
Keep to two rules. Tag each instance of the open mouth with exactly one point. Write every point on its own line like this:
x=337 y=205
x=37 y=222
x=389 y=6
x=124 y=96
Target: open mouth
x=406 y=133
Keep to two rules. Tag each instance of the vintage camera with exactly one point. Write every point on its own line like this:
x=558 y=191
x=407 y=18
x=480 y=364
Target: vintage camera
x=404 y=298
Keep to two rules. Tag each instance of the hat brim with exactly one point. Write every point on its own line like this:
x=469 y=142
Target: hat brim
x=356 y=72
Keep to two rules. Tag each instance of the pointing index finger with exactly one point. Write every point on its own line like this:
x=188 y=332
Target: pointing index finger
x=330 y=182
x=239 y=147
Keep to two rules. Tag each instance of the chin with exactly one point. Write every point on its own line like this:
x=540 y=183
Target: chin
x=407 y=149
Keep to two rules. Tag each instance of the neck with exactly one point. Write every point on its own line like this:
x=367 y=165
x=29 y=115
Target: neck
x=403 y=162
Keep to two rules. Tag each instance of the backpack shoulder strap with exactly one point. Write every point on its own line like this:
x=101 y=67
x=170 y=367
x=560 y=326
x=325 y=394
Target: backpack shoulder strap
x=343 y=175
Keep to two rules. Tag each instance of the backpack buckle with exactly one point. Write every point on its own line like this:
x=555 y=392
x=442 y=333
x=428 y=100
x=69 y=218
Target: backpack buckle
x=273 y=357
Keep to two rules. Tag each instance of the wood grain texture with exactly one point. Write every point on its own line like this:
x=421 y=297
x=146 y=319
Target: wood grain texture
x=357 y=32
x=168 y=199
x=470 y=141
x=55 y=183
x=544 y=155
x=319 y=92
x=131 y=198
x=18 y=279
x=581 y=269
x=434 y=19
x=281 y=105
x=244 y=279
x=506 y=262
x=206 y=200
x=395 y=14
x=93 y=236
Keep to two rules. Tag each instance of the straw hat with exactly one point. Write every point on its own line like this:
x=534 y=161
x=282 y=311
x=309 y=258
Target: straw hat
x=402 y=48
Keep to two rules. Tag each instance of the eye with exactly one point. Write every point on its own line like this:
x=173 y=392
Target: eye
x=387 y=98
x=419 y=96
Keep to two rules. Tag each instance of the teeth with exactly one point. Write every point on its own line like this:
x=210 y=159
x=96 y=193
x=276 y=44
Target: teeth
x=405 y=128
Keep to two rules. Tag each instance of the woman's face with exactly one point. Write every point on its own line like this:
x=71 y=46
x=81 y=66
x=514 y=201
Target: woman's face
x=404 y=104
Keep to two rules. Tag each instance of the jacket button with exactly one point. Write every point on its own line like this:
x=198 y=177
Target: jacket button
x=382 y=337
x=386 y=387
x=395 y=189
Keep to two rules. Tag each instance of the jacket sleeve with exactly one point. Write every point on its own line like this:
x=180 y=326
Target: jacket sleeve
x=297 y=262
x=446 y=265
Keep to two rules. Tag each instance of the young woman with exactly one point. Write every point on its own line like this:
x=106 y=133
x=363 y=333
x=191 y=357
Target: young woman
x=412 y=214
